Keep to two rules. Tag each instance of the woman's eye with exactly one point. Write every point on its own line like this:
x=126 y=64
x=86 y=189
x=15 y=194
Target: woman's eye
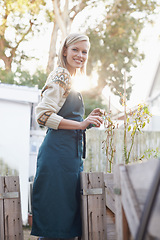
x=84 y=52
x=74 y=49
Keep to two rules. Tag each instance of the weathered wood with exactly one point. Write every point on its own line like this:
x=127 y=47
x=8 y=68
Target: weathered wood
x=12 y=210
x=154 y=224
x=118 y=203
x=84 y=206
x=141 y=176
x=129 y=202
x=126 y=231
x=111 y=231
x=132 y=185
x=109 y=191
x=1 y=209
x=93 y=206
x=96 y=208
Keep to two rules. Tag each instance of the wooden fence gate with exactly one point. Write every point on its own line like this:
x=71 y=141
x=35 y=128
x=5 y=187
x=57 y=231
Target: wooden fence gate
x=132 y=185
x=93 y=206
x=10 y=209
x=97 y=216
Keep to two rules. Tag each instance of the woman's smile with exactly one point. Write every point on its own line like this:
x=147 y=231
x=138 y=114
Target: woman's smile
x=76 y=55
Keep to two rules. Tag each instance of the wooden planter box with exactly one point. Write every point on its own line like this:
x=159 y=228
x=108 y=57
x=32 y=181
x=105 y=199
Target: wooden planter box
x=132 y=184
x=113 y=204
x=97 y=218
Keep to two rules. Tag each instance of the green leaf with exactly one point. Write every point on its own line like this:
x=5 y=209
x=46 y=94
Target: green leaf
x=129 y=128
x=144 y=124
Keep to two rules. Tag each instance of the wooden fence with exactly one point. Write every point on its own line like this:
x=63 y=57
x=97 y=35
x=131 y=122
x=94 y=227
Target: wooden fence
x=10 y=209
x=133 y=186
x=113 y=204
x=95 y=155
x=98 y=211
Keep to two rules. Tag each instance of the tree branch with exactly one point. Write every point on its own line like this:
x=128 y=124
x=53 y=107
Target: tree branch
x=77 y=8
x=23 y=37
x=59 y=19
x=112 y=12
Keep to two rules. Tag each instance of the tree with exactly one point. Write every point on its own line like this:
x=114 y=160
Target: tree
x=64 y=15
x=23 y=78
x=19 y=18
x=114 y=41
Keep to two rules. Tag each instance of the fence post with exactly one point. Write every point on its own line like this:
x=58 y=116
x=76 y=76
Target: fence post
x=94 y=212
x=84 y=207
x=10 y=209
x=118 y=203
x=1 y=208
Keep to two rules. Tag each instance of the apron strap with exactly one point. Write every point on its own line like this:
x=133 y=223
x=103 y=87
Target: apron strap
x=84 y=144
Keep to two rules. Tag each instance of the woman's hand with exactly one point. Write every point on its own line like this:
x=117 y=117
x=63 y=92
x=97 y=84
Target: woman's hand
x=95 y=120
x=97 y=112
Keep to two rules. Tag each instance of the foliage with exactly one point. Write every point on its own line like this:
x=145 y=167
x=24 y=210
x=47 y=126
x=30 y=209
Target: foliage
x=113 y=39
x=136 y=121
x=7 y=77
x=108 y=143
x=64 y=12
x=18 y=22
x=150 y=153
x=5 y=170
x=23 y=78
x=113 y=42
x=91 y=103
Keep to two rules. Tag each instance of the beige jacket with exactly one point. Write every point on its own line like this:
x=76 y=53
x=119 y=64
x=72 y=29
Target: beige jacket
x=53 y=94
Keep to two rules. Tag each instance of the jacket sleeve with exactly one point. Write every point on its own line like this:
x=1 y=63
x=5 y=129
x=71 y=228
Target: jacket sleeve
x=54 y=94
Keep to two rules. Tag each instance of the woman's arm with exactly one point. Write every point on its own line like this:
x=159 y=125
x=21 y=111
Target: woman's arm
x=53 y=97
x=91 y=119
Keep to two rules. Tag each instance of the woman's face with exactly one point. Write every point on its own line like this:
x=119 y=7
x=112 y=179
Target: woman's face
x=76 y=55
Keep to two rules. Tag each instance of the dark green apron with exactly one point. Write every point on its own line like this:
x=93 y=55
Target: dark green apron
x=56 y=189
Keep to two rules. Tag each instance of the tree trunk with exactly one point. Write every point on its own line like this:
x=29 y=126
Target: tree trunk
x=52 y=50
x=62 y=23
x=7 y=62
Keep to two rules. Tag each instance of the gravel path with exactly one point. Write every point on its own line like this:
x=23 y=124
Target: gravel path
x=27 y=236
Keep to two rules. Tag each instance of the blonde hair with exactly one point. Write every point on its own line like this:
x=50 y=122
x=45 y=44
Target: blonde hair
x=68 y=41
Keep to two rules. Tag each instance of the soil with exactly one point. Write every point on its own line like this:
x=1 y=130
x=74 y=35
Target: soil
x=26 y=233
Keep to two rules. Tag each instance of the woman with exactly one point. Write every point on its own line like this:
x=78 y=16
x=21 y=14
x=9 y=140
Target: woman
x=56 y=190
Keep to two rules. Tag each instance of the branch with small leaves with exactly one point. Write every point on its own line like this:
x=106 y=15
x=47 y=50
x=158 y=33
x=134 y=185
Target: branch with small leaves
x=135 y=121
x=108 y=144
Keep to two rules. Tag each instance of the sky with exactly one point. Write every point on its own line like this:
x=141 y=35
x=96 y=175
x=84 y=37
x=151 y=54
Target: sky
x=143 y=75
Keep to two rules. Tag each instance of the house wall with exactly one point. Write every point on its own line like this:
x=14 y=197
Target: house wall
x=15 y=110
x=14 y=144
x=155 y=88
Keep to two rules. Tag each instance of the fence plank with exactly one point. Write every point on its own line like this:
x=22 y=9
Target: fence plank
x=118 y=203
x=129 y=202
x=126 y=231
x=96 y=208
x=111 y=232
x=109 y=191
x=84 y=206
x=1 y=209
x=141 y=176
x=12 y=210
